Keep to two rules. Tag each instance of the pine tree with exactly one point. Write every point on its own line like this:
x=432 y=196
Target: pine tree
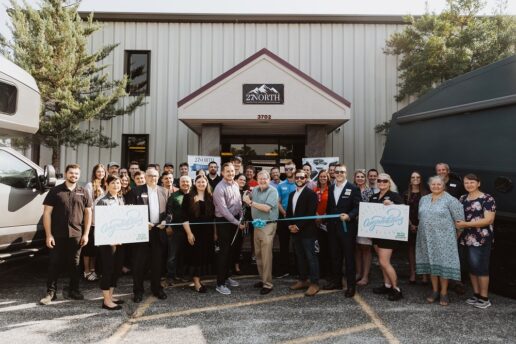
x=438 y=47
x=51 y=44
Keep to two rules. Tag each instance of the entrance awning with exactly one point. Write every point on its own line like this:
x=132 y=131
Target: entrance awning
x=263 y=94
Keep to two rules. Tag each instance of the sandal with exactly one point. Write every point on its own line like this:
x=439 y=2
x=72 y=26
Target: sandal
x=362 y=282
x=444 y=300
x=433 y=297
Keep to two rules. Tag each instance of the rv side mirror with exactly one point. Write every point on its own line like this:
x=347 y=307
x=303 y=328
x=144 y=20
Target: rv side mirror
x=50 y=176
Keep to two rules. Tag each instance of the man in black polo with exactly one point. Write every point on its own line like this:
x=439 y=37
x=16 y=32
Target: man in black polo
x=213 y=177
x=67 y=221
x=453 y=183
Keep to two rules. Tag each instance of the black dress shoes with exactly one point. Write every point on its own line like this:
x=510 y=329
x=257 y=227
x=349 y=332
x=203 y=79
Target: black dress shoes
x=265 y=291
x=258 y=285
x=350 y=292
x=160 y=295
x=138 y=298
x=119 y=302
x=116 y=308
x=332 y=286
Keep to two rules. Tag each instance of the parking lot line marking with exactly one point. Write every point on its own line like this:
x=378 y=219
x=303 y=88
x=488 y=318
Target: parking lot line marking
x=332 y=334
x=224 y=306
x=376 y=320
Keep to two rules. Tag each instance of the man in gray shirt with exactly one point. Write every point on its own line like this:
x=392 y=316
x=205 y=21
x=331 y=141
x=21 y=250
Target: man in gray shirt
x=264 y=206
x=228 y=208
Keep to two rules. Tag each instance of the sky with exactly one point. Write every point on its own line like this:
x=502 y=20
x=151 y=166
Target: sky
x=334 y=7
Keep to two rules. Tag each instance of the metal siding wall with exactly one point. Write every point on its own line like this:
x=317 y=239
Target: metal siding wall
x=347 y=58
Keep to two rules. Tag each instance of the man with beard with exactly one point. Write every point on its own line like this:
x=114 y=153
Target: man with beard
x=285 y=188
x=228 y=208
x=344 y=199
x=213 y=177
x=67 y=220
x=303 y=202
x=176 y=234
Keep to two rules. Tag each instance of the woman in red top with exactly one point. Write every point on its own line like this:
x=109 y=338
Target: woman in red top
x=322 y=197
x=250 y=173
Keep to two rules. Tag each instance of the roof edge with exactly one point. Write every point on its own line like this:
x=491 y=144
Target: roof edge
x=263 y=51
x=244 y=18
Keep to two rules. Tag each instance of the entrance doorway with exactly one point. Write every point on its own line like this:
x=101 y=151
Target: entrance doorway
x=264 y=152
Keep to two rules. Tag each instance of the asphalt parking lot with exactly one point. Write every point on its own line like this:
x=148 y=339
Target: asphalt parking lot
x=282 y=316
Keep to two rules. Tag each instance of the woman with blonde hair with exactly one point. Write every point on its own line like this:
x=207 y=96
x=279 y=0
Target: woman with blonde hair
x=385 y=247
x=363 y=254
x=96 y=189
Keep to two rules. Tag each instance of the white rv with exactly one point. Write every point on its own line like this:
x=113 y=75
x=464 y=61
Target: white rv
x=23 y=184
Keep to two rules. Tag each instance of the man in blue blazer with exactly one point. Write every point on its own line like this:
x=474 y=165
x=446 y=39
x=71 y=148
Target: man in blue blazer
x=344 y=199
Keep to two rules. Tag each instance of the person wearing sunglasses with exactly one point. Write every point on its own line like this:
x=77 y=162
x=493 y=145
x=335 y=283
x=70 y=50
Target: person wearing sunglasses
x=303 y=202
x=285 y=188
x=344 y=199
x=384 y=247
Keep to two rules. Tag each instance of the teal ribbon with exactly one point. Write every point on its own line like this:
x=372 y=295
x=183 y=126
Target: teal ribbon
x=259 y=223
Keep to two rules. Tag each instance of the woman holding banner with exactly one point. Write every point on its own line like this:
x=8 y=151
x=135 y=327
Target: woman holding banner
x=198 y=207
x=111 y=255
x=384 y=247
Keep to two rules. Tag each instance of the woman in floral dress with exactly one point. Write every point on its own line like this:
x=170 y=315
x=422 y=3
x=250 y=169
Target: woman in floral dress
x=436 y=243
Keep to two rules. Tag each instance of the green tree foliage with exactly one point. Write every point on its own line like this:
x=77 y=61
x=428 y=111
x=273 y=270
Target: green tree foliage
x=51 y=43
x=438 y=47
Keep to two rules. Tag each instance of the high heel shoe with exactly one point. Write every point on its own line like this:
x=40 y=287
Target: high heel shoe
x=116 y=308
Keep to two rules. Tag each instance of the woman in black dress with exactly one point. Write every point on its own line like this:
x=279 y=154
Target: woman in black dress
x=411 y=197
x=198 y=207
x=383 y=247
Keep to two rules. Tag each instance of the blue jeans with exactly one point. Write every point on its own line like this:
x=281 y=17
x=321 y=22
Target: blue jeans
x=307 y=261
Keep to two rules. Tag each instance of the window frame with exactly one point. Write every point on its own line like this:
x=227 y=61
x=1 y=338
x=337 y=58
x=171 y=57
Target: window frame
x=3 y=81
x=127 y=58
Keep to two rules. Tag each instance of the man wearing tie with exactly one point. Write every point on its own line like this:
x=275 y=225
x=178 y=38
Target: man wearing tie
x=344 y=199
x=303 y=202
x=156 y=198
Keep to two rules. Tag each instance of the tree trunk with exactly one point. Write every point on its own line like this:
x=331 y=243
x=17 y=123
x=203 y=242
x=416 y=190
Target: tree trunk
x=56 y=158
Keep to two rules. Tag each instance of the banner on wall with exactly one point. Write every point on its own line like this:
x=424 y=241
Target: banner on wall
x=121 y=224
x=376 y=220
x=318 y=164
x=201 y=162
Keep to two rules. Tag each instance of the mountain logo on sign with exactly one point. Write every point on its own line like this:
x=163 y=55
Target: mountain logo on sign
x=264 y=89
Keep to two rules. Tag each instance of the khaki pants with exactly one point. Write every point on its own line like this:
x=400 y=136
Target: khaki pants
x=263 y=242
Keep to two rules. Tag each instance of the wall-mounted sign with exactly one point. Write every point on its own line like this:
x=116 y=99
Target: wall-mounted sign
x=263 y=93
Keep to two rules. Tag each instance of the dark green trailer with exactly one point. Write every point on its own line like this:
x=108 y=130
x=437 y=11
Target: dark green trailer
x=468 y=122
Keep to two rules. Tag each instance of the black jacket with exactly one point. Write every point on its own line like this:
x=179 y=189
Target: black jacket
x=306 y=206
x=348 y=203
x=139 y=196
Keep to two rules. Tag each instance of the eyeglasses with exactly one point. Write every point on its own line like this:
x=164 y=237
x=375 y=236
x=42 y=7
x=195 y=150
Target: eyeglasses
x=152 y=175
x=300 y=178
x=382 y=180
x=340 y=172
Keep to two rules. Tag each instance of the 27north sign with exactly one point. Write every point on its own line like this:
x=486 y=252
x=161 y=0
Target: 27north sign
x=263 y=94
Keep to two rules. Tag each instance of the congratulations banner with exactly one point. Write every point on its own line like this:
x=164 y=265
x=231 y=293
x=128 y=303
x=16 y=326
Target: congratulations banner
x=376 y=220
x=121 y=224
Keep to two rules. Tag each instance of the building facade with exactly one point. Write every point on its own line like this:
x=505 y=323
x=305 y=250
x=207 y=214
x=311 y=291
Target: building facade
x=341 y=56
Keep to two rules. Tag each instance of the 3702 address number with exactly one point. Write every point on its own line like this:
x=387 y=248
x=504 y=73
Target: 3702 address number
x=264 y=117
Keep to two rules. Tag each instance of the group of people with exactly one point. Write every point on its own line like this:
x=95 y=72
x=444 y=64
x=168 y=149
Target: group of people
x=197 y=226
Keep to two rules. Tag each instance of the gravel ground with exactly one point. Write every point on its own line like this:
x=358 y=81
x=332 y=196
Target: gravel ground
x=244 y=316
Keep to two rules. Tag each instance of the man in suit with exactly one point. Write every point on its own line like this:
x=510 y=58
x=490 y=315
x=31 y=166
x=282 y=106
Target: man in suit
x=344 y=199
x=156 y=198
x=303 y=202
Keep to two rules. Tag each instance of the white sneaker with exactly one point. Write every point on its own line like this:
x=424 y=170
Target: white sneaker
x=472 y=300
x=232 y=283
x=482 y=304
x=223 y=290
x=51 y=296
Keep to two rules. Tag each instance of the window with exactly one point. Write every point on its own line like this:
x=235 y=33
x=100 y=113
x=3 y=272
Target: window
x=135 y=148
x=16 y=173
x=137 y=68
x=8 y=96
